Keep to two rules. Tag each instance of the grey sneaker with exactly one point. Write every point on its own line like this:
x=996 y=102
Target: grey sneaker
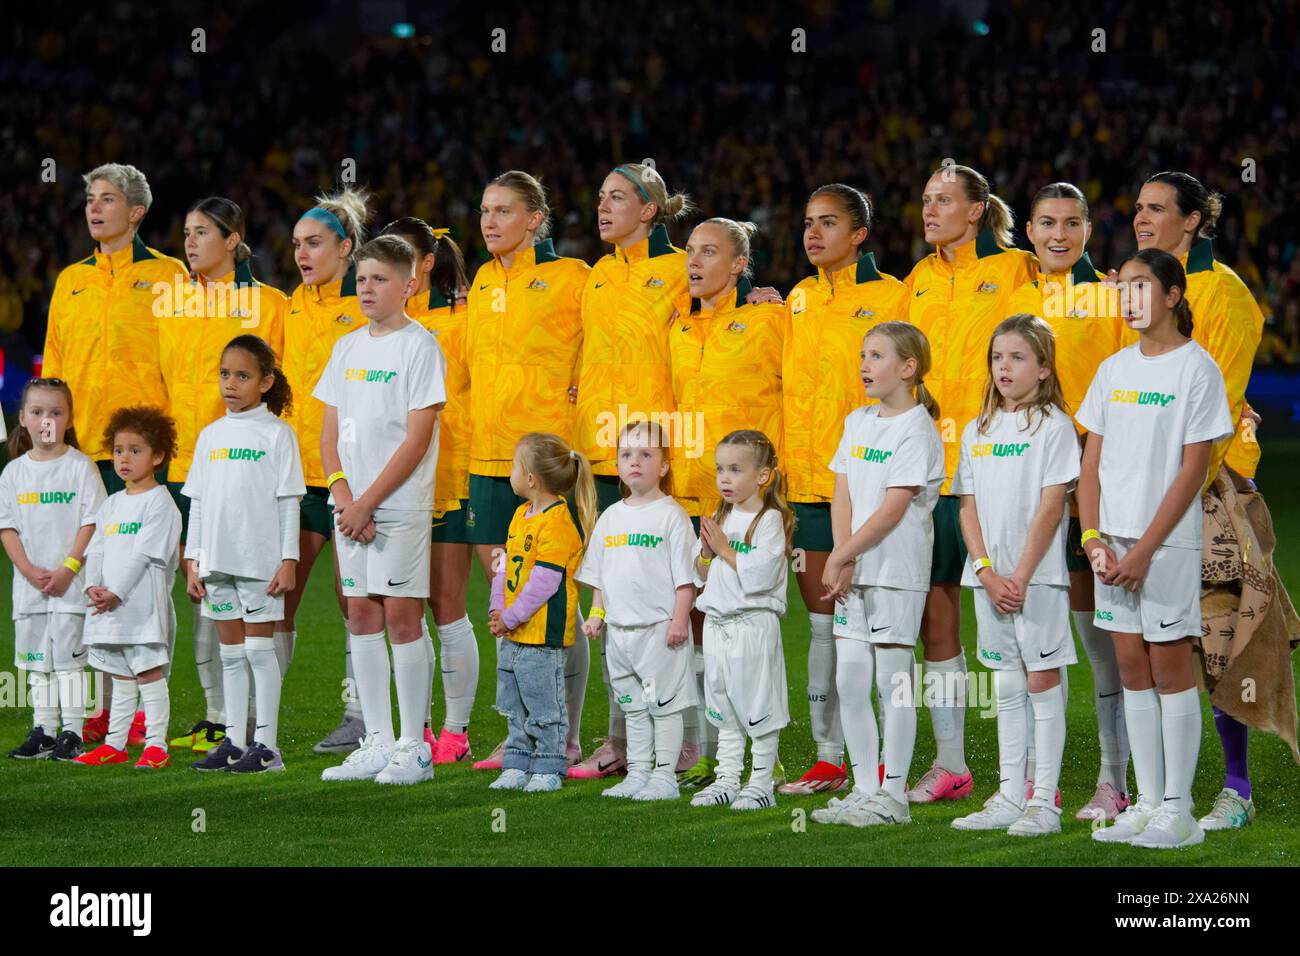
x=344 y=738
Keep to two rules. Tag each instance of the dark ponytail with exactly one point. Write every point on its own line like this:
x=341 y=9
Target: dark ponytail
x=20 y=440
x=229 y=218
x=1190 y=196
x=279 y=398
x=1170 y=274
x=448 y=276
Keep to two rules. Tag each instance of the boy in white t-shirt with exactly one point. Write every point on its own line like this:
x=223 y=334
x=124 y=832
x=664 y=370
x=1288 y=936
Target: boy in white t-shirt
x=383 y=388
x=639 y=566
x=1152 y=413
x=888 y=469
x=130 y=566
x=1019 y=461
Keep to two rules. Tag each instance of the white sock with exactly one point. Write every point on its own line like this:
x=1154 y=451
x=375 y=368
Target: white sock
x=207 y=660
x=640 y=742
x=1112 y=732
x=72 y=702
x=577 y=660
x=668 y=742
x=369 y=654
x=106 y=683
x=157 y=712
x=691 y=728
x=855 y=677
x=44 y=695
x=262 y=658
x=762 y=753
x=949 y=717
x=413 y=677
x=1142 y=715
x=823 y=699
x=1049 y=728
x=708 y=741
x=1180 y=722
x=1013 y=732
x=352 y=706
x=235 y=679
x=731 y=752
x=459 y=672
x=285 y=641
x=617 y=719
x=895 y=674
x=432 y=657
x=121 y=713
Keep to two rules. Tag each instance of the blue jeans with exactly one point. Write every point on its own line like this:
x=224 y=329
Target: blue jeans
x=530 y=693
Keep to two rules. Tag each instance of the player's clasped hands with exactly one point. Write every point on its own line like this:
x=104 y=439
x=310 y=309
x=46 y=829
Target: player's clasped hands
x=837 y=578
x=713 y=541
x=496 y=625
x=102 y=599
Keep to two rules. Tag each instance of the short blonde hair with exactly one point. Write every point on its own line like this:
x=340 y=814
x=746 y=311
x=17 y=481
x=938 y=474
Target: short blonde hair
x=126 y=179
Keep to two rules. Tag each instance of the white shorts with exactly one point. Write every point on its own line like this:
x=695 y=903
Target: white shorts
x=240 y=599
x=647 y=674
x=880 y=615
x=1035 y=638
x=395 y=564
x=49 y=642
x=1166 y=607
x=744 y=672
x=130 y=659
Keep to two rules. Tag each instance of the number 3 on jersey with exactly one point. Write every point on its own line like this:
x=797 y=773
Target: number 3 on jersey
x=513 y=582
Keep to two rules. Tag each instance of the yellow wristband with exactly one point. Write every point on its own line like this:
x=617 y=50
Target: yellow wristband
x=72 y=564
x=705 y=561
x=979 y=564
x=1089 y=535
x=597 y=612
x=338 y=475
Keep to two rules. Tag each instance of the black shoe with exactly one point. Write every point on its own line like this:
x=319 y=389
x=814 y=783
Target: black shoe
x=37 y=746
x=221 y=757
x=67 y=747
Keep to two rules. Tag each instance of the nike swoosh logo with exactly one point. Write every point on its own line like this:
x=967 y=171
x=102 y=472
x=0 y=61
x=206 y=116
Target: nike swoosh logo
x=262 y=726
x=256 y=610
x=885 y=628
x=599 y=284
x=78 y=291
x=482 y=287
x=79 y=654
x=921 y=293
x=1171 y=623
x=446 y=672
x=602 y=767
x=294 y=311
x=665 y=703
x=1104 y=696
x=397 y=584
x=1048 y=654
x=758 y=769
x=753 y=723
x=892 y=776
x=201 y=663
x=106 y=758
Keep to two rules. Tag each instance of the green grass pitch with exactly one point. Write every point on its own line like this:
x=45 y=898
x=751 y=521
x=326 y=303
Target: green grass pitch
x=57 y=814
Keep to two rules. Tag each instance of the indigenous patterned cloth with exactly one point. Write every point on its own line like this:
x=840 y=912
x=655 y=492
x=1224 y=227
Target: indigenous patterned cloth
x=1248 y=624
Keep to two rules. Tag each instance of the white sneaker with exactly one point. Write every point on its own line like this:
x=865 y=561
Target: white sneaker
x=661 y=787
x=880 y=810
x=720 y=793
x=410 y=762
x=998 y=814
x=629 y=786
x=1128 y=824
x=753 y=797
x=837 y=807
x=544 y=783
x=1231 y=811
x=364 y=763
x=512 y=779
x=1169 y=829
x=1037 y=821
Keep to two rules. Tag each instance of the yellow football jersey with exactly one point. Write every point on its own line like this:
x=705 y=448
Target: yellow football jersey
x=522 y=348
x=627 y=310
x=449 y=323
x=102 y=336
x=827 y=317
x=1086 y=319
x=957 y=305
x=726 y=376
x=319 y=315
x=205 y=315
x=549 y=539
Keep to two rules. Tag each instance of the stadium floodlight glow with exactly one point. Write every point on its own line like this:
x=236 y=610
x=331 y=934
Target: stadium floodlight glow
x=403 y=31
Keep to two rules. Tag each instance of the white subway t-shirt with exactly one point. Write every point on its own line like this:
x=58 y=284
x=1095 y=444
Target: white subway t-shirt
x=758 y=581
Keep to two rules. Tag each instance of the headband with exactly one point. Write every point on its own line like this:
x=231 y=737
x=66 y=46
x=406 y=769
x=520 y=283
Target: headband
x=634 y=180
x=321 y=214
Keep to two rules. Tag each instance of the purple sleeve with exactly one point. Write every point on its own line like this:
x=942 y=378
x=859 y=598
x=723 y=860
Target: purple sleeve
x=498 y=600
x=541 y=584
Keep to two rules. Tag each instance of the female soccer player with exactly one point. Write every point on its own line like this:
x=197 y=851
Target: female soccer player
x=957 y=295
x=523 y=346
x=827 y=316
x=626 y=373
